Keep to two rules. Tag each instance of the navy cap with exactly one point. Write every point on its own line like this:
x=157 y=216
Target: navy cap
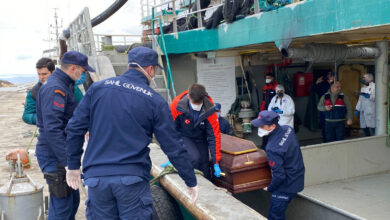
x=77 y=58
x=217 y=107
x=266 y=118
x=144 y=56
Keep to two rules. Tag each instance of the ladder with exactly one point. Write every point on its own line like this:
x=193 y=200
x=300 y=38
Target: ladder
x=162 y=50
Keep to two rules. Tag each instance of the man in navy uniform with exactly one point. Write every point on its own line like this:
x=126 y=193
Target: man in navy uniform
x=285 y=160
x=55 y=106
x=121 y=115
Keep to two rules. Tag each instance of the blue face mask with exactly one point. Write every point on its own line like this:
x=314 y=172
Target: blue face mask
x=81 y=80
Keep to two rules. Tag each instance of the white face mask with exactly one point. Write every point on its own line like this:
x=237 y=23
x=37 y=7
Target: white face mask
x=147 y=74
x=268 y=80
x=263 y=132
x=196 y=107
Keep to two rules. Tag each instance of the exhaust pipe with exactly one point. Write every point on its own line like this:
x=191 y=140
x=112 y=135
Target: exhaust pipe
x=329 y=52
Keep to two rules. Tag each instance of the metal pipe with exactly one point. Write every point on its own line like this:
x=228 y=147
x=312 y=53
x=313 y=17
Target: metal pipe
x=163 y=3
x=199 y=15
x=108 y=12
x=381 y=77
x=329 y=52
x=174 y=17
x=257 y=7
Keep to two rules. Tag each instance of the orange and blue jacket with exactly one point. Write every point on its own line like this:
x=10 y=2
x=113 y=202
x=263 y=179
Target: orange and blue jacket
x=205 y=127
x=268 y=93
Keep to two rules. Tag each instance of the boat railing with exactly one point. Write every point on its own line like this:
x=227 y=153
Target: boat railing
x=115 y=39
x=173 y=5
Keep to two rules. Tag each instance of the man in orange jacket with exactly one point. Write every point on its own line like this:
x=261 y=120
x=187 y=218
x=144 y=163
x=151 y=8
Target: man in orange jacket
x=195 y=117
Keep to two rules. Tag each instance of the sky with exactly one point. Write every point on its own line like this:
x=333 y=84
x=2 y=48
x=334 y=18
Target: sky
x=24 y=27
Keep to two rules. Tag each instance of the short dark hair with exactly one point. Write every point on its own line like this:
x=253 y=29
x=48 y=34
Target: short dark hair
x=197 y=92
x=66 y=66
x=45 y=62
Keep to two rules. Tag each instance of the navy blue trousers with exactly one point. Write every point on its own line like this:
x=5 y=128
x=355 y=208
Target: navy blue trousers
x=335 y=131
x=279 y=204
x=59 y=208
x=198 y=152
x=118 y=197
x=323 y=124
x=369 y=131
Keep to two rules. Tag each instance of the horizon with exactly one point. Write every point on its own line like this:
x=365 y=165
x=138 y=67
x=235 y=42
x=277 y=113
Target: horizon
x=19 y=79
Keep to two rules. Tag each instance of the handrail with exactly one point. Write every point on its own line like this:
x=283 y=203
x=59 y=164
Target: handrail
x=119 y=39
x=164 y=49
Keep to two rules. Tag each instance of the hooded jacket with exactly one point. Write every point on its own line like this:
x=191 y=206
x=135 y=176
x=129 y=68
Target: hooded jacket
x=205 y=127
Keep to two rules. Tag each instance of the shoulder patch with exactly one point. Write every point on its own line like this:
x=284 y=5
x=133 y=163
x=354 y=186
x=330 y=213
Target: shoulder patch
x=59 y=92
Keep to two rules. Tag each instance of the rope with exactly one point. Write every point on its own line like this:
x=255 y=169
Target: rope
x=32 y=138
x=169 y=170
x=28 y=148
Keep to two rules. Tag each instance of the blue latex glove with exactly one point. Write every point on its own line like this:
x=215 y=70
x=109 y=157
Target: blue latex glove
x=81 y=80
x=165 y=164
x=217 y=170
x=356 y=113
x=279 y=111
x=366 y=95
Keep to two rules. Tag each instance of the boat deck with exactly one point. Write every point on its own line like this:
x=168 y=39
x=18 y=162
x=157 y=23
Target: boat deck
x=367 y=197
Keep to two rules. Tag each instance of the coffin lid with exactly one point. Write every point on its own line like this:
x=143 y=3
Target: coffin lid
x=235 y=146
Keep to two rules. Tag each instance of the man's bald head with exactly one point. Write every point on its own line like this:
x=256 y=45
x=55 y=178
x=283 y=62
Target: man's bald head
x=336 y=87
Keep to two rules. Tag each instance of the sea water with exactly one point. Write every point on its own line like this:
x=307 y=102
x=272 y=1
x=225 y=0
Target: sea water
x=19 y=79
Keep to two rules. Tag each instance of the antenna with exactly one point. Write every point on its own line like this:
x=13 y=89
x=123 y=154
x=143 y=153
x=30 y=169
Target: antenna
x=54 y=30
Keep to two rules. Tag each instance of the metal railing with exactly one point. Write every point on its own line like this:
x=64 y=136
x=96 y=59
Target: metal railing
x=151 y=10
x=146 y=6
x=115 y=39
x=197 y=12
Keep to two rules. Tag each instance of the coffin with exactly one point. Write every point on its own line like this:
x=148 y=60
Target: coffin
x=244 y=165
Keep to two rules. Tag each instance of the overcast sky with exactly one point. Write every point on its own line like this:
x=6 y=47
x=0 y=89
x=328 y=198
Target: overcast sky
x=24 y=26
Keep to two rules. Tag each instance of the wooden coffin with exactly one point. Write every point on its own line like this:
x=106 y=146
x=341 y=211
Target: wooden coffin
x=245 y=166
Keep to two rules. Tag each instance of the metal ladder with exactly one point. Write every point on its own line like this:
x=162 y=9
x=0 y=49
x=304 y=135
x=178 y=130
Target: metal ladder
x=162 y=50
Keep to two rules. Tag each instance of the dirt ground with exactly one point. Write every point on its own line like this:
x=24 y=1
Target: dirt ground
x=14 y=133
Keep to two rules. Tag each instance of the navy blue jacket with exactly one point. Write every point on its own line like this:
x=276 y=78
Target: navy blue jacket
x=321 y=88
x=204 y=126
x=225 y=126
x=285 y=159
x=55 y=106
x=121 y=115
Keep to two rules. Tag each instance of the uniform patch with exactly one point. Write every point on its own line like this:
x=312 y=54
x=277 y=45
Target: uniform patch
x=59 y=92
x=187 y=121
x=271 y=163
x=59 y=103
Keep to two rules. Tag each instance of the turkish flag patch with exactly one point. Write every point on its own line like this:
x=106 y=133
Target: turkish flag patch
x=271 y=163
x=187 y=121
x=59 y=104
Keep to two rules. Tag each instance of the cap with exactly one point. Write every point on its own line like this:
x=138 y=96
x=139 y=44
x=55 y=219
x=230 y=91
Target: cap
x=266 y=118
x=144 y=56
x=77 y=58
x=217 y=107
